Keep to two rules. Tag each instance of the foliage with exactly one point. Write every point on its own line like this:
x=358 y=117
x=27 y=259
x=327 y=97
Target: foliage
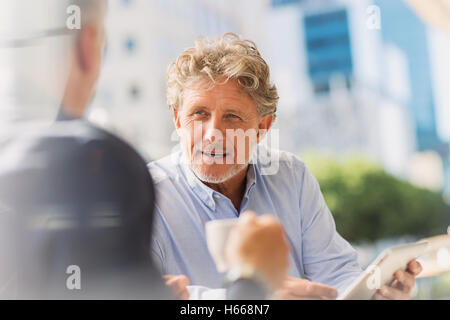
x=369 y=204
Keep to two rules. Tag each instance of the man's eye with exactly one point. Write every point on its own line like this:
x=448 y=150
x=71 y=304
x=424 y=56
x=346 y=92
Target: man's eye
x=199 y=112
x=232 y=116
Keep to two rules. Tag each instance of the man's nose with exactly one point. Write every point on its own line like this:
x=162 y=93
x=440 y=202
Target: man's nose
x=213 y=130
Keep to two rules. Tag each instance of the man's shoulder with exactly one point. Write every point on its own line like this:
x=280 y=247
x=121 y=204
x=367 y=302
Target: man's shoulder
x=278 y=160
x=166 y=168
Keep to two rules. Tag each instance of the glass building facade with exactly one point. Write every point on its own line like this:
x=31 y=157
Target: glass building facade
x=415 y=45
x=278 y=3
x=328 y=48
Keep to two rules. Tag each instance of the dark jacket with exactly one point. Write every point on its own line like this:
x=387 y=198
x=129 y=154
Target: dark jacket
x=75 y=195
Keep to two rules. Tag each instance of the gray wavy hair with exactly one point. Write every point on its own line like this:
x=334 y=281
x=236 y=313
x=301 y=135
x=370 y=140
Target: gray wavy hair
x=215 y=62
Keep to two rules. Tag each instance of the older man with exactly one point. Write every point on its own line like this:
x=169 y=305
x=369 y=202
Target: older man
x=223 y=104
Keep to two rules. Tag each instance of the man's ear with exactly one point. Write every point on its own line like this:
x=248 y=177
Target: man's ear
x=265 y=123
x=176 y=118
x=89 y=43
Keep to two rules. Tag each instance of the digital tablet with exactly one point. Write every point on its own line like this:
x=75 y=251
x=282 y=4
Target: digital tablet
x=381 y=271
x=436 y=260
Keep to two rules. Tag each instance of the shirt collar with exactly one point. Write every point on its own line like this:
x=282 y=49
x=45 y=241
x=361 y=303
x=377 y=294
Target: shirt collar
x=251 y=179
x=205 y=193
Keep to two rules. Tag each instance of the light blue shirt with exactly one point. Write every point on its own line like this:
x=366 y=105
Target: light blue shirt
x=184 y=204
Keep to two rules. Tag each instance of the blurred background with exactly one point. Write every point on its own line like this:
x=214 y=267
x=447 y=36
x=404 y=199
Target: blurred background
x=364 y=99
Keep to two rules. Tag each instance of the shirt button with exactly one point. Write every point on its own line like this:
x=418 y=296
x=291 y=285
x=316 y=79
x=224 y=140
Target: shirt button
x=217 y=196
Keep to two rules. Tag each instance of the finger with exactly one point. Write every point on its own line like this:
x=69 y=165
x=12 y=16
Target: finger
x=294 y=297
x=184 y=295
x=405 y=281
x=311 y=297
x=167 y=278
x=302 y=287
x=172 y=282
x=286 y=295
x=378 y=296
x=396 y=284
x=248 y=215
x=172 y=279
x=414 y=267
x=181 y=293
x=267 y=219
x=317 y=289
x=180 y=281
x=271 y=226
x=393 y=293
x=183 y=280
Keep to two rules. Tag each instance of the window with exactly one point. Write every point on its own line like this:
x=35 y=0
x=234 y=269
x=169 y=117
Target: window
x=328 y=48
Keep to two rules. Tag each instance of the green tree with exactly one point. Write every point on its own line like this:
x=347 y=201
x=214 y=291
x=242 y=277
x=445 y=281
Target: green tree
x=369 y=204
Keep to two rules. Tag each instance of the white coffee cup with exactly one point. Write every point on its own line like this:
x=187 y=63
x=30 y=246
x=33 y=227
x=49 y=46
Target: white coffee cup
x=217 y=232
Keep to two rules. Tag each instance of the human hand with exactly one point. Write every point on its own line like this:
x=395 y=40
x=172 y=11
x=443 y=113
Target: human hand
x=259 y=242
x=403 y=284
x=178 y=285
x=302 y=289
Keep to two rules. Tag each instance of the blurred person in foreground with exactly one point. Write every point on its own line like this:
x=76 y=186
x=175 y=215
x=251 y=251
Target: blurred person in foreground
x=76 y=205
x=77 y=216
x=223 y=107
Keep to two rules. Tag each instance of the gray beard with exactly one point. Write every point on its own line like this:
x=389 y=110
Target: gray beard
x=209 y=178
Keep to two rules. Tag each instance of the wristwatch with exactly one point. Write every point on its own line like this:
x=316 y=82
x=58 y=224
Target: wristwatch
x=245 y=283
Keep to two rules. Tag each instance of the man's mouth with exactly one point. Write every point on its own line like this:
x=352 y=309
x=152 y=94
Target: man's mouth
x=214 y=154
